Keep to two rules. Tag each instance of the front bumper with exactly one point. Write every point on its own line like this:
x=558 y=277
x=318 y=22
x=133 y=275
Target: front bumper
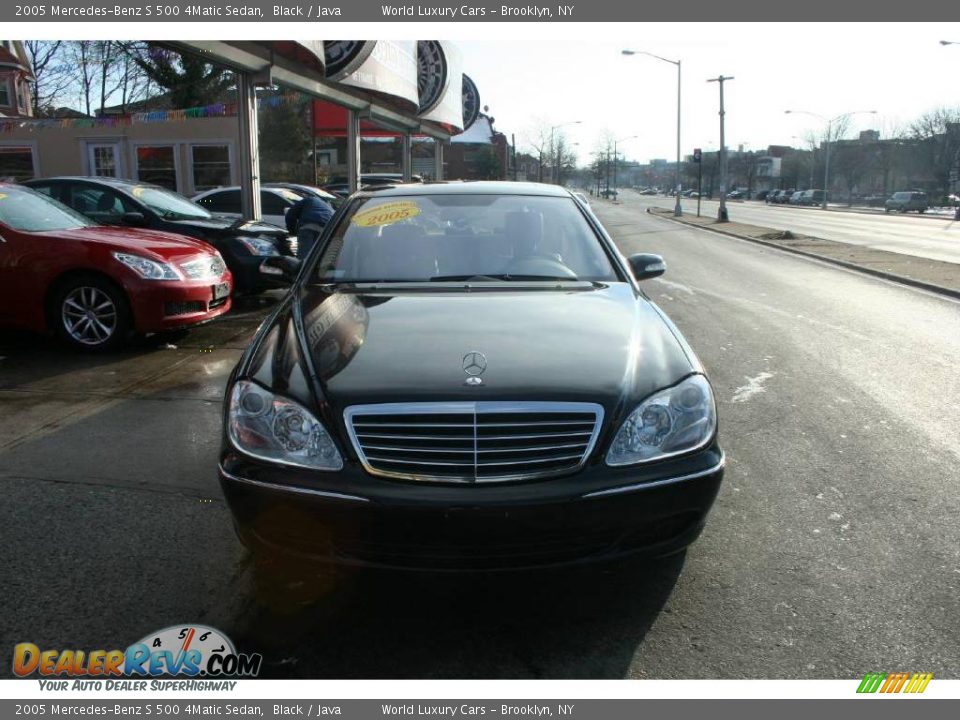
x=355 y=519
x=168 y=305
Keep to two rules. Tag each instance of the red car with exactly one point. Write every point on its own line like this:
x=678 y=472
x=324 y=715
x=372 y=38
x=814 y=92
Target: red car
x=95 y=285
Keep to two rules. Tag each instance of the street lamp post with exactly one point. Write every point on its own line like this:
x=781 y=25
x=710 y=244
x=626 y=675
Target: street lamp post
x=828 y=141
x=554 y=174
x=677 y=210
x=722 y=212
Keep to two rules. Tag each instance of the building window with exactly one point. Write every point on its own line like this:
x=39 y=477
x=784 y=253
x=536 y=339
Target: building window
x=157 y=165
x=103 y=159
x=211 y=166
x=16 y=163
x=4 y=93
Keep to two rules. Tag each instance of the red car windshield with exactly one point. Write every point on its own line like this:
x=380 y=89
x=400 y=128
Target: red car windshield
x=29 y=211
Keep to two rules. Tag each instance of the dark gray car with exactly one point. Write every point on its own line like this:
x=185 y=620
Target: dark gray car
x=907 y=202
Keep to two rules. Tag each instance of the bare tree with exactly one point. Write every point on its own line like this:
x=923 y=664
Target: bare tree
x=537 y=138
x=937 y=137
x=51 y=74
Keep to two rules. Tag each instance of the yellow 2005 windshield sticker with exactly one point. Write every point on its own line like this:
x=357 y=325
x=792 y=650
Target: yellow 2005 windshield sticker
x=386 y=214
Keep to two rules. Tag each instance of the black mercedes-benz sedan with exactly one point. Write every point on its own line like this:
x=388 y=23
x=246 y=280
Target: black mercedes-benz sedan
x=468 y=376
x=114 y=201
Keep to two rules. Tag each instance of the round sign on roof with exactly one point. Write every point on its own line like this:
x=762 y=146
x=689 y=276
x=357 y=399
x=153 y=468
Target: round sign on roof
x=345 y=56
x=471 y=102
x=432 y=74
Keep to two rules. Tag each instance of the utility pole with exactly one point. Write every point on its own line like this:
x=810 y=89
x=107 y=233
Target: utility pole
x=722 y=213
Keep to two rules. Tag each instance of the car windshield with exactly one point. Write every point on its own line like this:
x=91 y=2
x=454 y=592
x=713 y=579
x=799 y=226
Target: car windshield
x=169 y=205
x=457 y=237
x=29 y=211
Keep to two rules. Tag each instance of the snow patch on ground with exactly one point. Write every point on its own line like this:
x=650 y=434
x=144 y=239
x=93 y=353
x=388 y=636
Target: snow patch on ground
x=753 y=387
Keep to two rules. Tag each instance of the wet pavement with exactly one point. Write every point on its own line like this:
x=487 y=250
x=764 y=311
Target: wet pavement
x=832 y=550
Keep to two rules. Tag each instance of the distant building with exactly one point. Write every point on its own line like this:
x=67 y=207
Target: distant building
x=479 y=153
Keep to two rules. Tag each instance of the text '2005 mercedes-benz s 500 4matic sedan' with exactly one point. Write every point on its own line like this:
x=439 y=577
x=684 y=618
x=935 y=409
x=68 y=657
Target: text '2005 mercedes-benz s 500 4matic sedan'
x=468 y=376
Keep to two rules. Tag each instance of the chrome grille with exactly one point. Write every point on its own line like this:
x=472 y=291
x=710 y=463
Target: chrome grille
x=473 y=442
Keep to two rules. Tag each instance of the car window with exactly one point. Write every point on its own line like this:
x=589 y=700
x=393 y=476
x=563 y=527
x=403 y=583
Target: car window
x=272 y=203
x=100 y=204
x=168 y=204
x=444 y=236
x=222 y=201
x=29 y=211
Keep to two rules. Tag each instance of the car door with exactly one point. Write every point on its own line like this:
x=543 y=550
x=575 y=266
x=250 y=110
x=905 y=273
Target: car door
x=21 y=299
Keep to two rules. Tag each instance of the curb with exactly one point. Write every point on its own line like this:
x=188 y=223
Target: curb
x=902 y=279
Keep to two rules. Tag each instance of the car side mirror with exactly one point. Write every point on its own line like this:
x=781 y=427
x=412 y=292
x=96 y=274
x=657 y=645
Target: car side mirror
x=280 y=267
x=647 y=265
x=134 y=219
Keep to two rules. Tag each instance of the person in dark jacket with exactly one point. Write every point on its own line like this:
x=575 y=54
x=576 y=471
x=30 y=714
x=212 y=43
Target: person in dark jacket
x=306 y=219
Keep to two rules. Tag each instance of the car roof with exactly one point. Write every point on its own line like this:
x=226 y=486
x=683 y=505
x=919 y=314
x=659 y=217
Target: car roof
x=276 y=190
x=112 y=181
x=480 y=187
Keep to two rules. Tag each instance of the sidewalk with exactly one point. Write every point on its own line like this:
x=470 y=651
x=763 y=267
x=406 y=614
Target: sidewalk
x=933 y=275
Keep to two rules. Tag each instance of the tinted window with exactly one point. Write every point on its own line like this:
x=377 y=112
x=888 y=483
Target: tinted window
x=431 y=237
x=272 y=204
x=224 y=201
x=97 y=203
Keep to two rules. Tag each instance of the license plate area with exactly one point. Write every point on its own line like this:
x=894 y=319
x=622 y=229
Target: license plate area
x=220 y=290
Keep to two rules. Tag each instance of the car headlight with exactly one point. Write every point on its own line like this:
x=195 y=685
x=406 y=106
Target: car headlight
x=274 y=428
x=259 y=246
x=146 y=268
x=672 y=421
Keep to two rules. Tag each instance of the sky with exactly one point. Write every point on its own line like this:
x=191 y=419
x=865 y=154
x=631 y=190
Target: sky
x=898 y=70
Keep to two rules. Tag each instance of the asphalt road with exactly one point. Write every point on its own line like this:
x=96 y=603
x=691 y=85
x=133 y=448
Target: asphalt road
x=935 y=238
x=833 y=549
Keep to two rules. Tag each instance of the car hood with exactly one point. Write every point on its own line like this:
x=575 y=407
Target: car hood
x=163 y=245
x=217 y=227
x=605 y=345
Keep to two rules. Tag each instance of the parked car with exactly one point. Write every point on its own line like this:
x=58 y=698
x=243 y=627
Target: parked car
x=274 y=203
x=469 y=375
x=304 y=190
x=111 y=201
x=763 y=194
x=736 y=195
x=378 y=179
x=906 y=202
x=811 y=197
x=782 y=197
x=94 y=285
x=796 y=198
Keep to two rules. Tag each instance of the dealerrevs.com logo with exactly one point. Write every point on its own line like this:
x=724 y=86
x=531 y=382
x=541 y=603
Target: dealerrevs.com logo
x=193 y=651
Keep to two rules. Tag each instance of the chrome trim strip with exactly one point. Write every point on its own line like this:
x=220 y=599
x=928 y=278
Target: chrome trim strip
x=659 y=483
x=466 y=408
x=291 y=488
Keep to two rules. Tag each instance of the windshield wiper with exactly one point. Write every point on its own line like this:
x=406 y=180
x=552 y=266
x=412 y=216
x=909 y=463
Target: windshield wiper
x=508 y=277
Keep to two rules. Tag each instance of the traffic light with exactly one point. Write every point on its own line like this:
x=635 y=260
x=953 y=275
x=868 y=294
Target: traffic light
x=697 y=154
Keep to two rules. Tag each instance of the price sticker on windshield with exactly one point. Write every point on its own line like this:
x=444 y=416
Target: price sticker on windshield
x=386 y=214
